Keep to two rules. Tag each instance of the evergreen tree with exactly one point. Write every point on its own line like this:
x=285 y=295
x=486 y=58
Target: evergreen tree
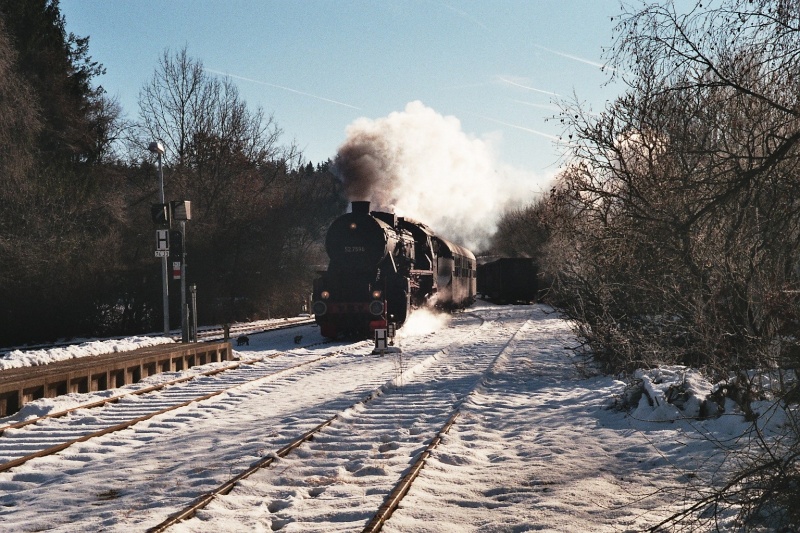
x=60 y=71
x=59 y=213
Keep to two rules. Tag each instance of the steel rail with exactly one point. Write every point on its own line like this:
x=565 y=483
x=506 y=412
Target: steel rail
x=206 y=334
x=225 y=488
x=217 y=331
x=138 y=392
x=153 y=388
x=400 y=490
x=384 y=511
x=393 y=500
x=199 y=503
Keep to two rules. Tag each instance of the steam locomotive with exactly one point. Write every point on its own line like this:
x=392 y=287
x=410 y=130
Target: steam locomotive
x=381 y=267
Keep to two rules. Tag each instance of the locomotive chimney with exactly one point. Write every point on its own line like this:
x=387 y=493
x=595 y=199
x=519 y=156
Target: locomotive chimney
x=361 y=207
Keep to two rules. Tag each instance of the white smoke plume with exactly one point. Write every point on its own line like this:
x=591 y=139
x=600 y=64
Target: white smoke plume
x=420 y=164
x=423 y=321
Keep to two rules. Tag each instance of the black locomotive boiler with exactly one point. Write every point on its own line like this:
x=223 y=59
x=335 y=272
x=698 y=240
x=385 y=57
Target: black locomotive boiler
x=382 y=266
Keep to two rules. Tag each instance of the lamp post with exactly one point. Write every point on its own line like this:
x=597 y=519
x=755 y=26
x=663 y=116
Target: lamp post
x=157 y=148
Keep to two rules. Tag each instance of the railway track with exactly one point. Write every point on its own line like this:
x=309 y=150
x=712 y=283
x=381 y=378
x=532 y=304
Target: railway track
x=430 y=400
x=23 y=441
x=101 y=366
x=250 y=328
x=154 y=474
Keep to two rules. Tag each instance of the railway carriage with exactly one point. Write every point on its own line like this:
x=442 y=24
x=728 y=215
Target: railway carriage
x=509 y=280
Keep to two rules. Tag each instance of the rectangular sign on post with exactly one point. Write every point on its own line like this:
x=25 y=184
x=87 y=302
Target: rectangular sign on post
x=162 y=240
x=380 y=339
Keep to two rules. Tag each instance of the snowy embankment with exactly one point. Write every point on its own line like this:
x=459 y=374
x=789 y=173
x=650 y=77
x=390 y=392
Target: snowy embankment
x=16 y=358
x=21 y=358
x=541 y=444
x=542 y=447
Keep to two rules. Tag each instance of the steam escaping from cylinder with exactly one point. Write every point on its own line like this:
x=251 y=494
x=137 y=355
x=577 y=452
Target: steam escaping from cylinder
x=422 y=322
x=420 y=164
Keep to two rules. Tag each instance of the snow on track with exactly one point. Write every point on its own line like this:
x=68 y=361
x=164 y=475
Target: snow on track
x=83 y=423
x=356 y=461
x=536 y=447
x=148 y=471
x=537 y=450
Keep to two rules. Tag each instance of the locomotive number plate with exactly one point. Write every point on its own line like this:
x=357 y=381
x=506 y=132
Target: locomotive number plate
x=350 y=249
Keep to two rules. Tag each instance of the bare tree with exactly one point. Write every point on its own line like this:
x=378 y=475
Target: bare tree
x=253 y=201
x=171 y=105
x=684 y=186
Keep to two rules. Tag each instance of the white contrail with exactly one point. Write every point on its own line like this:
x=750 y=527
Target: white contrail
x=212 y=71
x=540 y=106
x=511 y=82
x=523 y=128
x=574 y=58
x=465 y=15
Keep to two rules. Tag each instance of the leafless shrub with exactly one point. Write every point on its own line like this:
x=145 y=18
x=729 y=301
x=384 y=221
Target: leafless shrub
x=676 y=223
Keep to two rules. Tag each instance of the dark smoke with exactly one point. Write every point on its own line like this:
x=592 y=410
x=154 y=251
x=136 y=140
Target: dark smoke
x=362 y=166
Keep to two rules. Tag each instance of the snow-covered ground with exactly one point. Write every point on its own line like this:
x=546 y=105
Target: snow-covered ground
x=538 y=446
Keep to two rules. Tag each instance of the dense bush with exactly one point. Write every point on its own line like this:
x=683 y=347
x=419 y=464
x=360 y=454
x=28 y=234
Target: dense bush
x=677 y=224
x=675 y=228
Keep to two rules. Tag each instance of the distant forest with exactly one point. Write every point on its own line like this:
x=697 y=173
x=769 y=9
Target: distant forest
x=77 y=238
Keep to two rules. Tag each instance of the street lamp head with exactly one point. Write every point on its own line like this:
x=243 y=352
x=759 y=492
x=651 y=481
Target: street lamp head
x=156 y=147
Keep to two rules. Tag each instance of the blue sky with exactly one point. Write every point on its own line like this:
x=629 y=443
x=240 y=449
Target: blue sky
x=318 y=65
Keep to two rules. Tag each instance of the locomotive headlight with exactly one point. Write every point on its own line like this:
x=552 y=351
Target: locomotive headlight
x=376 y=307
x=376 y=294
x=353 y=225
x=325 y=295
